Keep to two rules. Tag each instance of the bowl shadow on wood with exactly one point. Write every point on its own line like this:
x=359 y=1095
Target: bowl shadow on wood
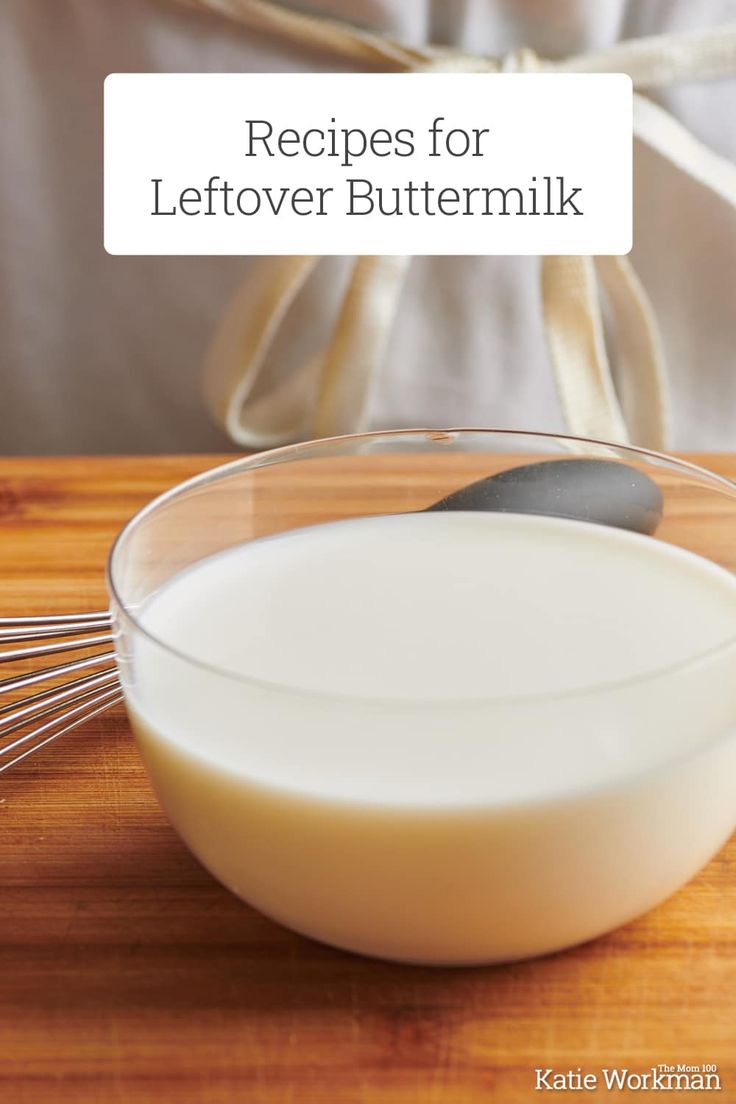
x=96 y=879
x=110 y=930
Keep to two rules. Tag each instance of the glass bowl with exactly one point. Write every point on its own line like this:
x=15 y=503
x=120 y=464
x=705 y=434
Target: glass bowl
x=486 y=775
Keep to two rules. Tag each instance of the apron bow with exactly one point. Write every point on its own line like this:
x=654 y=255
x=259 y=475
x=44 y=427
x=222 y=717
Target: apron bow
x=330 y=393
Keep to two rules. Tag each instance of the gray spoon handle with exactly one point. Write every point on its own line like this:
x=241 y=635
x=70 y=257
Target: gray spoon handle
x=600 y=491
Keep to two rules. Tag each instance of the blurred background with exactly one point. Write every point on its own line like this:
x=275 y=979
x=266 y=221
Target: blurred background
x=102 y=354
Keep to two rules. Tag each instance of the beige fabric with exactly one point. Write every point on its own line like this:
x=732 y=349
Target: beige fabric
x=570 y=292
x=103 y=354
x=239 y=349
x=358 y=344
x=642 y=383
x=575 y=336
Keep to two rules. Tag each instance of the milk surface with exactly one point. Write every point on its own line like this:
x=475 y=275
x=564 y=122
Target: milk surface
x=440 y=737
x=446 y=616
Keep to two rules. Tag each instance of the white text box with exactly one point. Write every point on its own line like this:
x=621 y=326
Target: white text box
x=368 y=163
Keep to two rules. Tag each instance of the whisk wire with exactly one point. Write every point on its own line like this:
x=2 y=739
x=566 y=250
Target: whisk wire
x=56 y=619
x=53 y=649
x=75 y=718
x=39 y=705
x=81 y=687
x=42 y=632
x=18 y=682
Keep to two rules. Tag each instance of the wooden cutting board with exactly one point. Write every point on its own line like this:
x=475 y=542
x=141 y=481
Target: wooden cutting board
x=128 y=975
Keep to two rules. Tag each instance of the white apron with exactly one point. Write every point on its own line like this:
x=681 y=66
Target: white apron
x=104 y=353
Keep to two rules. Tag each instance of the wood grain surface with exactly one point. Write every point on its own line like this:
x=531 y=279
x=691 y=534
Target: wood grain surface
x=128 y=975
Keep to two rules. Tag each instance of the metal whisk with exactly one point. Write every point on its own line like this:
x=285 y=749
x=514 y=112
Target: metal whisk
x=70 y=692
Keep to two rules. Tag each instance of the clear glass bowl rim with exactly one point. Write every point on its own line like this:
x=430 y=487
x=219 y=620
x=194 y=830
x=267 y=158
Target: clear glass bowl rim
x=302 y=450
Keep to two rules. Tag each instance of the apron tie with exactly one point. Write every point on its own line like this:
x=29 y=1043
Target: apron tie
x=330 y=393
